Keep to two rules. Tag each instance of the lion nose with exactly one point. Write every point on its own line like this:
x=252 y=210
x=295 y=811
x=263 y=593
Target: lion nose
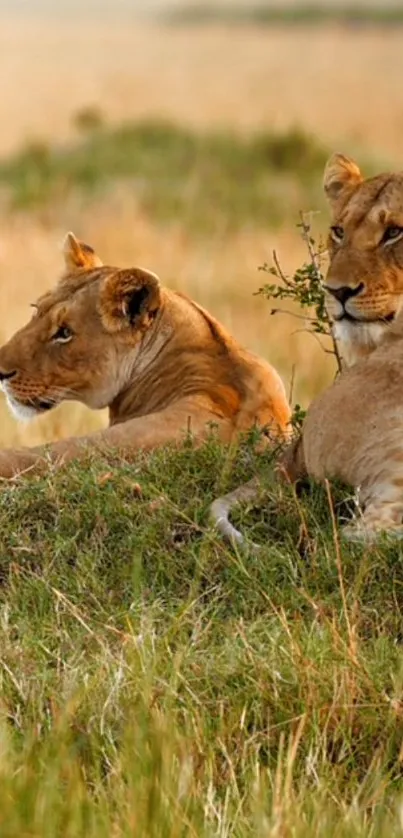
x=344 y=293
x=4 y=376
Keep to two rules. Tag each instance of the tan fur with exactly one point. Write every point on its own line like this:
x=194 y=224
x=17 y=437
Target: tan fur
x=362 y=259
x=354 y=431
x=161 y=364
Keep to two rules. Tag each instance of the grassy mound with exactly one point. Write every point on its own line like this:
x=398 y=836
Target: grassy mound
x=155 y=683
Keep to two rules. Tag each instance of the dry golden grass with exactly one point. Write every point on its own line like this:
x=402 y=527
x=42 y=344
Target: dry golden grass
x=338 y=84
x=343 y=85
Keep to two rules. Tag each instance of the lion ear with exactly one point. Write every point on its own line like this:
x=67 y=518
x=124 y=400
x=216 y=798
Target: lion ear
x=341 y=177
x=79 y=256
x=130 y=299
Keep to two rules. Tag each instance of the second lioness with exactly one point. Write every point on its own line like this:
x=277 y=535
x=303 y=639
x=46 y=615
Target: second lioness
x=353 y=432
x=364 y=295
x=115 y=338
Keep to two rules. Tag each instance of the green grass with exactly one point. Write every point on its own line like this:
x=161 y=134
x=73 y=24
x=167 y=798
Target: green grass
x=207 y=180
x=308 y=14
x=155 y=683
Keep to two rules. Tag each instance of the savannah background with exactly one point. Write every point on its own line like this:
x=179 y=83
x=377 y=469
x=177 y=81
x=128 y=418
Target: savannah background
x=154 y=682
x=185 y=144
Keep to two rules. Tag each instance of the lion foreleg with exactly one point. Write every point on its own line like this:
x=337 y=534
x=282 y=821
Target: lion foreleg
x=171 y=425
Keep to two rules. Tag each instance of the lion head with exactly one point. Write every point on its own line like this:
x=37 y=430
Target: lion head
x=84 y=337
x=364 y=282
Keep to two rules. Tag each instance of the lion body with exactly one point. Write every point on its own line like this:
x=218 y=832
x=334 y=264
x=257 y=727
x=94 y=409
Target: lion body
x=353 y=431
x=162 y=365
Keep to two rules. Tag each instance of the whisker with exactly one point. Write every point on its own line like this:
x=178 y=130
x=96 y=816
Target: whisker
x=57 y=393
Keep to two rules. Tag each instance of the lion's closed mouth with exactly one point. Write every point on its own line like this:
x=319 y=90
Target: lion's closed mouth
x=39 y=405
x=363 y=320
x=42 y=404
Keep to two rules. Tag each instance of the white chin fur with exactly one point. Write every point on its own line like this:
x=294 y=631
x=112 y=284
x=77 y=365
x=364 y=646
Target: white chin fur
x=364 y=334
x=21 y=411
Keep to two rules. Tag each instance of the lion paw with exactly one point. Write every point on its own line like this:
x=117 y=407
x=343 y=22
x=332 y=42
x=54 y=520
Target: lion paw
x=363 y=533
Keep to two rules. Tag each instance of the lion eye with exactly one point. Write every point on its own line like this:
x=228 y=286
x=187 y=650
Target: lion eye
x=337 y=233
x=391 y=234
x=63 y=335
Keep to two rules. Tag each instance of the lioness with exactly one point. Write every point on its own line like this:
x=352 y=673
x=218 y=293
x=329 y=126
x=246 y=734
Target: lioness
x=352 y=431
x=364 y=282
x=162 y=365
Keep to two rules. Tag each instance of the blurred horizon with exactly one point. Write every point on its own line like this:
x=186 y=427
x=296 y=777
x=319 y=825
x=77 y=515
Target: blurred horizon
x=152 y=8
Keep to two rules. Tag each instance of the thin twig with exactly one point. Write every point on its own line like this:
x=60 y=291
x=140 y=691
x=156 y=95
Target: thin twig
x=293 y=314
x=317 y=338
x=314 y=255
x=280 y=272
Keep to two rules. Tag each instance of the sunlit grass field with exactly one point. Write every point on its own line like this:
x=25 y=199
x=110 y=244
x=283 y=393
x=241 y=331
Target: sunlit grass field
x=155 y=683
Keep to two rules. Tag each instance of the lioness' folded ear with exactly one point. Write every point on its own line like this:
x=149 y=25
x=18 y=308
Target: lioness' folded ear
x=130 y=299
x=79 y=256
x=340 y=178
